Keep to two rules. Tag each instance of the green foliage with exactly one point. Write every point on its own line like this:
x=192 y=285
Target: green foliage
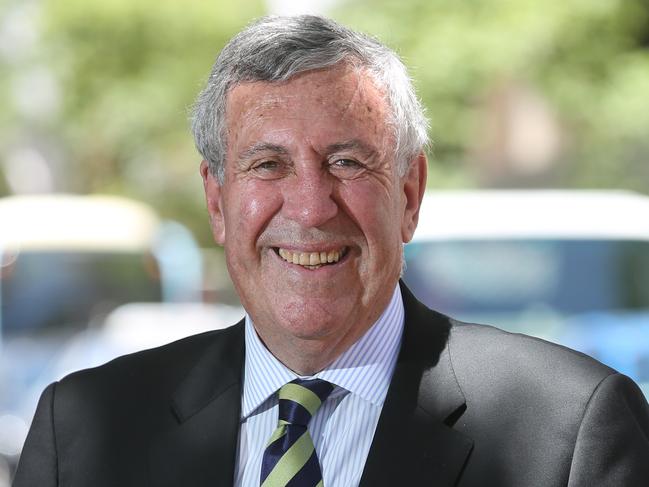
x=590 y=60
x=130 y=72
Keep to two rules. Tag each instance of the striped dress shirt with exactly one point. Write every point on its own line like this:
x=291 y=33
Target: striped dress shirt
x=343 y=428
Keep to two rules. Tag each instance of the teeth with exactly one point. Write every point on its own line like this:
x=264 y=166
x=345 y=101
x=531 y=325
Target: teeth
x=311 y=260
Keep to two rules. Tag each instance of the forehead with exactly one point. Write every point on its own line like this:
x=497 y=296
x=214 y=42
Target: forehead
x=332 y=101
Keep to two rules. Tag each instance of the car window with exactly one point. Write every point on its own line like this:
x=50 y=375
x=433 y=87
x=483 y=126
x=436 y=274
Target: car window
x=43 y=292
x=567 y=276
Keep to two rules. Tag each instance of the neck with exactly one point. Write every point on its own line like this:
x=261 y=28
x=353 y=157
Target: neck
x=307 y=350
x=307 y=357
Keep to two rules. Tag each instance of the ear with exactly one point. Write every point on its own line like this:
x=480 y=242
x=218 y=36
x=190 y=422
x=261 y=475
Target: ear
x=212 y=189
x=414 y=186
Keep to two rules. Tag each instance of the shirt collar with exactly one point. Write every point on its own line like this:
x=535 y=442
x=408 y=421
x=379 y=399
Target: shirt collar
x=364 y=369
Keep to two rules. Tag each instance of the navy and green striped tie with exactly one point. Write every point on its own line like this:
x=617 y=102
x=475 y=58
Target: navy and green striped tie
x=290 y=459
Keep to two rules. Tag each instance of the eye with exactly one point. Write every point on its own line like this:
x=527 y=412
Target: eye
x=269 y=169
x=266 y=166
x=345 y=163
x=346 y=168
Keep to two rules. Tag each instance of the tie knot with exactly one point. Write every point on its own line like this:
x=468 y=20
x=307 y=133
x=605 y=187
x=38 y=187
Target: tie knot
x=300 y=399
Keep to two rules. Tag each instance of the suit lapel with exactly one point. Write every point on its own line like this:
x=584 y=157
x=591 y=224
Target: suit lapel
x=414 y=443
x=200 y=449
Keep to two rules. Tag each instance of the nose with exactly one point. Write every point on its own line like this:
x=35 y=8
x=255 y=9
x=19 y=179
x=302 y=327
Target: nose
x=308 y=197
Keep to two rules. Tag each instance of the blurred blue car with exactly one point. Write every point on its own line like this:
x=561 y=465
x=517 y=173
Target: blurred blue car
x=571 y=267
x=67 y=261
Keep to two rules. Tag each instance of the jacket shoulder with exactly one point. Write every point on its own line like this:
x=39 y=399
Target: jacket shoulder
x=156 y=371
x=536 y=409
x=489 y=360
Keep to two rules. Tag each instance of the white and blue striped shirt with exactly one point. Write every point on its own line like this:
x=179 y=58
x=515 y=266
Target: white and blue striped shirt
x=343 y=428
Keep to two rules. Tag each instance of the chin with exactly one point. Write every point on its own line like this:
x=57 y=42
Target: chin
x=306 y=326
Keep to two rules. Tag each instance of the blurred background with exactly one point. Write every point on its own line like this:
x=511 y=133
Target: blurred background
x=104 y=241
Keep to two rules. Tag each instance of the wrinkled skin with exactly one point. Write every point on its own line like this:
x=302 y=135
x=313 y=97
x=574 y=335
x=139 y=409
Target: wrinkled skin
x=310 y=167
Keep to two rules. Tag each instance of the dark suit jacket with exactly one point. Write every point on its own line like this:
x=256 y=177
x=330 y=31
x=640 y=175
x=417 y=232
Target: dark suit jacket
x=468 y=405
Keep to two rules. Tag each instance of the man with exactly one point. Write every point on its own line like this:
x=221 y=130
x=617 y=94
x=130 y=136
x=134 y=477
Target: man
x=314 y=171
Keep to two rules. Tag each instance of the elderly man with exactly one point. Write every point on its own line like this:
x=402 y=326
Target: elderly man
x=314 y=171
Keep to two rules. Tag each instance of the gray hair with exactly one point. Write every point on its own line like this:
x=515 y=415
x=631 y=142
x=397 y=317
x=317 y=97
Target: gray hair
x=275 y=49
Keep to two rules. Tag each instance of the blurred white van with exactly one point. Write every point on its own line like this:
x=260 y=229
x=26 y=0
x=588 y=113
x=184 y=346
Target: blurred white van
x=568 y=266
x=66 y=262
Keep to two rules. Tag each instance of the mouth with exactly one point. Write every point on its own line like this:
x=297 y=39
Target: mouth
x=312 y=260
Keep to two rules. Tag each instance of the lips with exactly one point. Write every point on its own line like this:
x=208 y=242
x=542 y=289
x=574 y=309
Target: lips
x=312 y=260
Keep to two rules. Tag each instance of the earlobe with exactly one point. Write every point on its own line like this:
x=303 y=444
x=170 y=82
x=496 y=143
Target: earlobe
x=414 y=186
x=212 y=189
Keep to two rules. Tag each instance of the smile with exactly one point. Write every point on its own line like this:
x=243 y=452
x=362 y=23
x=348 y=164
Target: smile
x=312 y=260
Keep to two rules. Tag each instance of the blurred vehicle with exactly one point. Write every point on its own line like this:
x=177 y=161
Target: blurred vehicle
x=138 y=326
x=571 y=267
x=129 y=328
x=65 y=263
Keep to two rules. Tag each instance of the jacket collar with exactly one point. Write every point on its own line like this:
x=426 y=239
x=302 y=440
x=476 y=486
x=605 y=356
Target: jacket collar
x=201 y=449
x=414 y=443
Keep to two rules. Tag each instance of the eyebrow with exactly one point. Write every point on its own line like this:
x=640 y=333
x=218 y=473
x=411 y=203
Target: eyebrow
x=263 y=147
x=353 y=144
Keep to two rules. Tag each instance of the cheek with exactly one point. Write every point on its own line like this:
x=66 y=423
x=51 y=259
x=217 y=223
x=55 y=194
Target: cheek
x=374 y=209
x=251 y=207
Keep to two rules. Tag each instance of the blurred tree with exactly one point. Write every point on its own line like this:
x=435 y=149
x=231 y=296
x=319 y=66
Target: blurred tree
x=97 y=93
x=127 y=73
x=588 y=60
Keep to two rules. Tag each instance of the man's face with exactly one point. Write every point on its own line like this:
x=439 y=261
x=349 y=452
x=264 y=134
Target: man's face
x=312 y=212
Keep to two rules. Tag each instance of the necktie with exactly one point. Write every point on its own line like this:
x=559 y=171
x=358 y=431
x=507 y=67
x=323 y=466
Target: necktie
x=290 y=458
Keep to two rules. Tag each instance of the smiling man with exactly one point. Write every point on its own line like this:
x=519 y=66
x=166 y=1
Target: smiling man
x=312 y=210
x=314 y=169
